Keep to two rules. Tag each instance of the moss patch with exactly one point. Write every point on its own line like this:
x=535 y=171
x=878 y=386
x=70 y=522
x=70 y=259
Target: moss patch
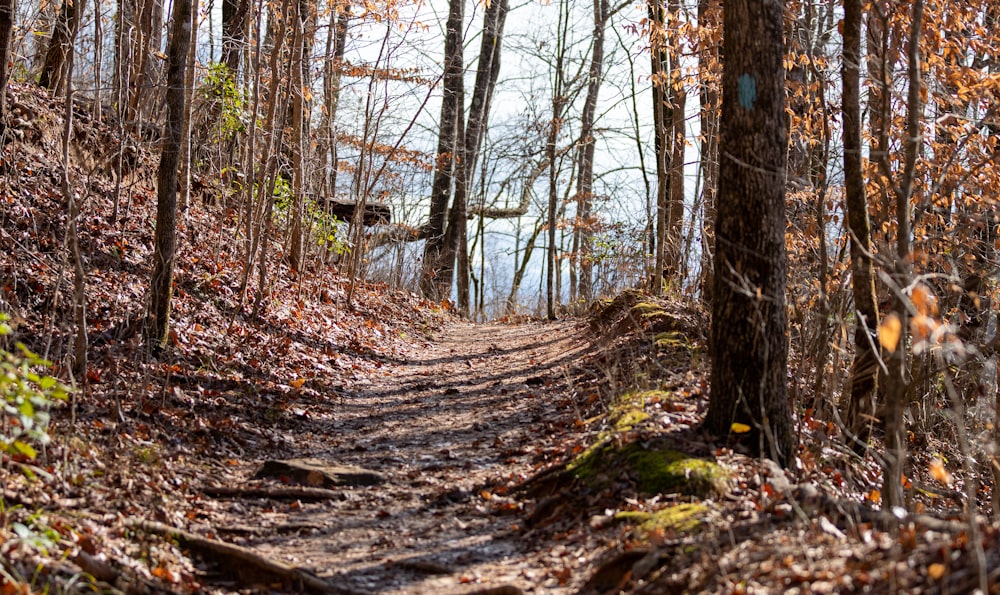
x=681 y=518
x=671 y=339
x=656 y=471
x=627 y=411
x=647 y=309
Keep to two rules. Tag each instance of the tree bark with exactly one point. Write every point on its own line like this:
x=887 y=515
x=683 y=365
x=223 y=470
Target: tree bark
x=54 y=70
x=661 y=117
x=165 y=239
x=898 y=377
x=863 y=381
x=451 y=111
x=471 y=138
x=336 y=45
x=673 y=123
x=234 y=33
x=749 y=323
x=7 y=11
x=709 y=12
x=585 y=179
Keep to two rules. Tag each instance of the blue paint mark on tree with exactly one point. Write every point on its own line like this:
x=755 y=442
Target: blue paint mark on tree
x=747 y=90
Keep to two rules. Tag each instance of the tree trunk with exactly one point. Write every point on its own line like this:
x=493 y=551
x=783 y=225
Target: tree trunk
x=585 y=181
x=300 y=112
x=165 y=239
x=336 y=45
x=709 y=12
x=451 y=111
x=184 y=175
x=471 y=138
x=864 y=371
x=234 y=33
x=54 y=70
x=558 y=103
x=749 y=345
x=6 y=27
x=673 y=123
x=661 y=135
x=898 y=377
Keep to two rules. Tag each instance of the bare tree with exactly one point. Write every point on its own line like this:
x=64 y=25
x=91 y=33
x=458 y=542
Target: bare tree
x=6 y=27
x=54 y=70
x=864 y=371
x=165 y=239
x=451 y=111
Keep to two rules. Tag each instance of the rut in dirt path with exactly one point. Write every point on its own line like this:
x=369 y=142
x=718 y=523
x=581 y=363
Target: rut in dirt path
x=457 y=417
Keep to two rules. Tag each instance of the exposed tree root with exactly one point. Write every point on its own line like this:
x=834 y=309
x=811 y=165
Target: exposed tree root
x=246 y=565
x=305 y=494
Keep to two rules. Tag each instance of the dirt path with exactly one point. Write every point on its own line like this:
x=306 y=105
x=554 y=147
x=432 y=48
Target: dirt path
x=449 y=425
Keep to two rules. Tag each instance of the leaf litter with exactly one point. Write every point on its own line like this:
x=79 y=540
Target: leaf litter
x=474 y=427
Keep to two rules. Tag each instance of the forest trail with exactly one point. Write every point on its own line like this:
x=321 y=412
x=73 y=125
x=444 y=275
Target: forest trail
x=450 y=425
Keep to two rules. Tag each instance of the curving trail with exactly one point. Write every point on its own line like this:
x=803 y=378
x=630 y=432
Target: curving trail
x=449 y=425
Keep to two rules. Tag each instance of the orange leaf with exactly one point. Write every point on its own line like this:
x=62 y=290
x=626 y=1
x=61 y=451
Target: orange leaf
x=875 y=496
x=939 y=473
x=924 y=300
x=936 y=571
x=922 y=327
x=889 y=331
x=298 y=382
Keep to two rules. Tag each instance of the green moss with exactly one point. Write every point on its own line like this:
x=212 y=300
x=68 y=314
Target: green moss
x=671 y=339
x=630 y=419
x=656 y=471
x=682 y=518
x=648 y=309
x=671 y=471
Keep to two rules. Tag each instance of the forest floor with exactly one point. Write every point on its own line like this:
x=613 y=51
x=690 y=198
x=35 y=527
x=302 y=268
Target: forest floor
x=380 y=444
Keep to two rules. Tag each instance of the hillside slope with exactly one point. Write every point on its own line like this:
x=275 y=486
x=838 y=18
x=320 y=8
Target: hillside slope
x=385 y=446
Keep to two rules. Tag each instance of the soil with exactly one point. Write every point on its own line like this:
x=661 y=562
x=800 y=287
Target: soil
x=452 y=425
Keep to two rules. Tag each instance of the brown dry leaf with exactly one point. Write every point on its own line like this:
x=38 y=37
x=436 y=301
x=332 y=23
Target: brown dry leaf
x=889 y=332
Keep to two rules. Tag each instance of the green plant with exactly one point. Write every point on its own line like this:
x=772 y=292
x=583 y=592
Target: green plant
x=219 y=88
x=27 y=397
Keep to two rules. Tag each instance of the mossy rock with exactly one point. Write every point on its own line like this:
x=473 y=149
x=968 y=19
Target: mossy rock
x=681 y=518
x=656 y=470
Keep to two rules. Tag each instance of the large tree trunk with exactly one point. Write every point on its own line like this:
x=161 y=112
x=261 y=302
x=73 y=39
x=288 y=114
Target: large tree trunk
x=749 y=345
x=54 y=70
x=864 y=370
x=451 y=111
x=165 y=240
